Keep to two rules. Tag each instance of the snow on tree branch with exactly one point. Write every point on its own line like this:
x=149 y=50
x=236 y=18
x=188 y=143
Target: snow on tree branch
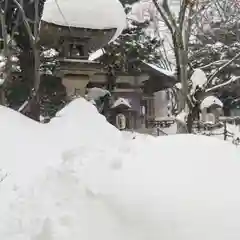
x=232 y=80
x=222 y=68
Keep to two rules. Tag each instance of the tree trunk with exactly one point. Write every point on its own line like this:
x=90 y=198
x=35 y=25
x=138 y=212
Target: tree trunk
x=110 y=85
x=34 y=108
x=27 y=65
x=111 y=79
x=2 y=97
x=181 y=66
x=192 y=116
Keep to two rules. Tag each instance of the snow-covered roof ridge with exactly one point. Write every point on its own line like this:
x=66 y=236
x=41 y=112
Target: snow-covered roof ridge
x=161 y=70
x=94 y=14
x=96 y=55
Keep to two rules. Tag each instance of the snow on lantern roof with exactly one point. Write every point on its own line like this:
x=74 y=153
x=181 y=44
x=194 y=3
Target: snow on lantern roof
x=93 y=14
x=210 y=101
x=121 y=102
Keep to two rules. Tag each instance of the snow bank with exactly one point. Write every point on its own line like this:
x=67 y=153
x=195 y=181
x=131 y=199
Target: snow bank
x=104 y=185
x=180 y=187
x=21 y=140
x=24 y=156
x=92 y=14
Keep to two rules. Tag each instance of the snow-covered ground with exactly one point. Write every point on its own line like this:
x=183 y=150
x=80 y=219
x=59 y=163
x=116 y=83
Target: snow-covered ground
x=80 y=178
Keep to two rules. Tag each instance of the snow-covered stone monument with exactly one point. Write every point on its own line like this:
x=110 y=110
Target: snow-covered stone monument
x=76 y=28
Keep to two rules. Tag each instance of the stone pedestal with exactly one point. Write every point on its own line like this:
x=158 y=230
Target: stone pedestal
x=76 y=74
x=75 y=84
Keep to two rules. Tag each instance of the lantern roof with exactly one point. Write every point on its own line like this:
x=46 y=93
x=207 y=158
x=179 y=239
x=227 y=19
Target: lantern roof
x=91 y=14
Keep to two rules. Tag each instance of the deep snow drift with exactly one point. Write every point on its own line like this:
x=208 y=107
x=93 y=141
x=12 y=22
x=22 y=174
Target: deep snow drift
x=82 y=179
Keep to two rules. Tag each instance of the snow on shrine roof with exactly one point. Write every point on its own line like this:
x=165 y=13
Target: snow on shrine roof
x=161 y=70
x=121 y=101
x=93 y=14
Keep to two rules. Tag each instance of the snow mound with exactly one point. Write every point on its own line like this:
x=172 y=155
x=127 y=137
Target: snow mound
x=21 y=140
x=104 y=185
x=24 y=155
x=92 y=14
x=81 y=124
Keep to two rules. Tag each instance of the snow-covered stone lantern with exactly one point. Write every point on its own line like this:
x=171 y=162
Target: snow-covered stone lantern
x=211 y=109
x=76 y=28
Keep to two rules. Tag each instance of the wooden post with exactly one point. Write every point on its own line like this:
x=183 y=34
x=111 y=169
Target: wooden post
x=225 y=130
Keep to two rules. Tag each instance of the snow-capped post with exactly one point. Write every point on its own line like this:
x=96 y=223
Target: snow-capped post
x=225 y=130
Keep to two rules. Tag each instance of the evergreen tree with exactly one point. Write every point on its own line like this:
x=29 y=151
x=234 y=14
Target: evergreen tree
x=52 y=94
x=132 y=47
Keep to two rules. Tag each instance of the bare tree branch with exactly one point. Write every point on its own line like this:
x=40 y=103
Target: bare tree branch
x=222 y=68
x=188 y=30
x=232 y=80
x=26 y=24
x=166 y=21
x=216 y=63
x=182 y=14
x=165 y=6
